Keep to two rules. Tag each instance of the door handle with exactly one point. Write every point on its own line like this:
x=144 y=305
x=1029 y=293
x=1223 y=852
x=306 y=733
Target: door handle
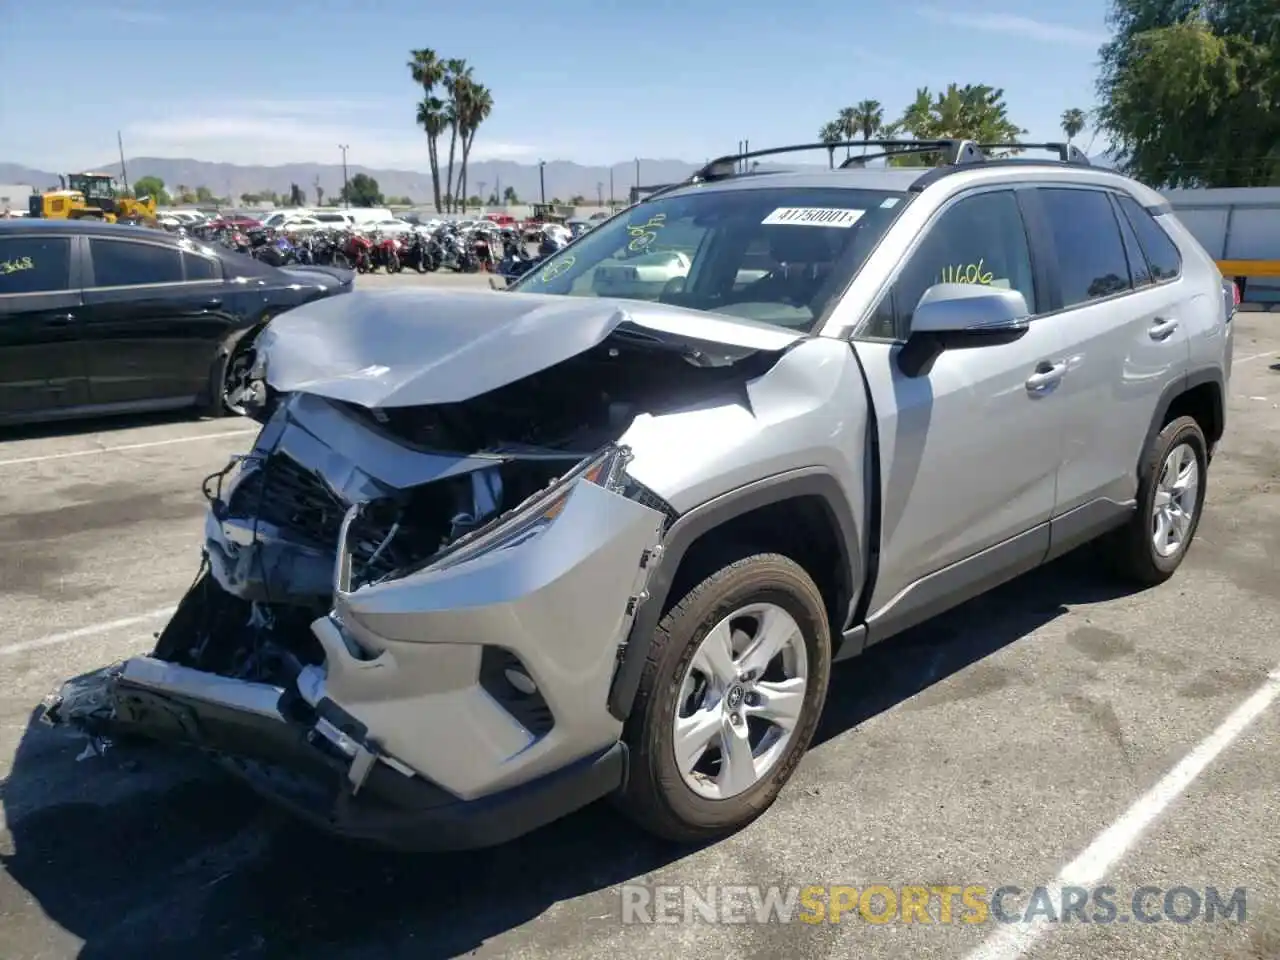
x=61 y=319
x=213 y=303
x=1162 y=328
x=1046 y=375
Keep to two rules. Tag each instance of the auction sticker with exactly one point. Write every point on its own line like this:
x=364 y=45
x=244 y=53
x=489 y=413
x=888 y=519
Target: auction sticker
x=814 y=217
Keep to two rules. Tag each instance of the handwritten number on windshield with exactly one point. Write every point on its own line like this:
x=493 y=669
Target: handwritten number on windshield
x=557 y=268
x=14 y=266
x=644 y=234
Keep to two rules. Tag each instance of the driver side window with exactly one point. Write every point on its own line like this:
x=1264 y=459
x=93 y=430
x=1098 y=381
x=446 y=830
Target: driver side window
x=980 y=239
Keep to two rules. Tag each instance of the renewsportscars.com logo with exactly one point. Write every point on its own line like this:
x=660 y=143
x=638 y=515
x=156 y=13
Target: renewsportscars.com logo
x=931 y=904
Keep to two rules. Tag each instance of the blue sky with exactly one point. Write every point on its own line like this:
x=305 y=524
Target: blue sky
x=596 y=81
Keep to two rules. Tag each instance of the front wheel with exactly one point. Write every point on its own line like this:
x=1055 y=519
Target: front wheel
x=1171 y=491
x=729 y=700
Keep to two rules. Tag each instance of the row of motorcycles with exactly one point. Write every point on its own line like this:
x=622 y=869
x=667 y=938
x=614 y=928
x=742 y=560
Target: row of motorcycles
x=448 y=247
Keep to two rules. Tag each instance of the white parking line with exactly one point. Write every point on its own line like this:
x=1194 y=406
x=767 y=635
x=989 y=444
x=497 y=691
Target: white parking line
x=1256 y=356
x=125 y=446
x=53 y=639
x=1108 y=847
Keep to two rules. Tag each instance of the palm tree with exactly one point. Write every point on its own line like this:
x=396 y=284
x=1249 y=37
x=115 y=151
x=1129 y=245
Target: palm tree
x=478 y=106
x=1073 y=121
x=868 y=119
x=428 y=71
x=432 y=118
x=831 y=134
x=457 y=80
x=848 y=120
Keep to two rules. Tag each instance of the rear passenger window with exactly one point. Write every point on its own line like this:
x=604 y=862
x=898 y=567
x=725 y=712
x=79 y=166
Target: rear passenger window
x=200 y=268
x=35 y=264
x=1086 y=238
x=1139 y=269
x=122 y=263
x=1162 y=252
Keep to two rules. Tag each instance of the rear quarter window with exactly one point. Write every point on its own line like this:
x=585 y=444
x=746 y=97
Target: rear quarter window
x=35 y=264
x=1162 y=253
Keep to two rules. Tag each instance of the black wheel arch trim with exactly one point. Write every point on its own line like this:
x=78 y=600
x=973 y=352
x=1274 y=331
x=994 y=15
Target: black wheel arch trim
x=702 y=519
x=1194 y=378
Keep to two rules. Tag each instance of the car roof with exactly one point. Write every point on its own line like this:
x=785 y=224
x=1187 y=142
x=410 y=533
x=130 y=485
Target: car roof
x=85 y=228
x=917 y=179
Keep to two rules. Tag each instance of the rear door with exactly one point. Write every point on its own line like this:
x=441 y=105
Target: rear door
x=154 y=320
x=42 y=360
x=1124 y=341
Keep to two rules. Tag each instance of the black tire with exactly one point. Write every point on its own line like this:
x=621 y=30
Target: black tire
x=1131 y=550
x=656 y=796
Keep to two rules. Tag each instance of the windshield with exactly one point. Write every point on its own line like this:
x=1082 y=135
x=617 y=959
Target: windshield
x=776 y=255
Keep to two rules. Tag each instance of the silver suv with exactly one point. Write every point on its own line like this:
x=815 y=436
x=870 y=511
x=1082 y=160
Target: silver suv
x=495 y=555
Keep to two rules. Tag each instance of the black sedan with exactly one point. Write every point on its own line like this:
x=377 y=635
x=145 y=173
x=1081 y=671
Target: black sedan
x=99 y=318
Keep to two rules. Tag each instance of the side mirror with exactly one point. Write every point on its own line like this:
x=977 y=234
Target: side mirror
x=954 y=316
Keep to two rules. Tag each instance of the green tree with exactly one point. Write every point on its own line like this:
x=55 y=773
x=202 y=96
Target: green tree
x=474 y=201
x=509 y=196
x=362 y=191
x=578 y=200
x=848 y=120
x=477 y=104
x=204 y=195
x=151 y=187
x=1190 y=93
x=973 y=112
x=831 y=134
x=868 y=118
x=428 y=72
x=250 y=199
x=457 y=82
x=1073 y=121
x=296 y=196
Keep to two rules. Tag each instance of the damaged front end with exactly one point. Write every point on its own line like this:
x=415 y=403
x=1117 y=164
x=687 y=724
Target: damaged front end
x=408 y=644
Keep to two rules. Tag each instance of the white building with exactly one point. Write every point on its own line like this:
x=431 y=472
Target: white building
x=15 y=197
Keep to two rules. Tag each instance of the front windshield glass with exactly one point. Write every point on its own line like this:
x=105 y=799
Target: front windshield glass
x=775 y=254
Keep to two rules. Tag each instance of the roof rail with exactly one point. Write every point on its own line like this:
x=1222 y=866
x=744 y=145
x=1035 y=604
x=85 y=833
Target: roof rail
x=726 y=167
x=955 y=152
x=1067 y=152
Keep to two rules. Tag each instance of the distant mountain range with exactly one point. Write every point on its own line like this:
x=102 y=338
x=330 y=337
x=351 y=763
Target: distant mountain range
x=564 y=179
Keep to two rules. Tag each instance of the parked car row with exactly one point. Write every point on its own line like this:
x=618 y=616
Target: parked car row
x=98 y=318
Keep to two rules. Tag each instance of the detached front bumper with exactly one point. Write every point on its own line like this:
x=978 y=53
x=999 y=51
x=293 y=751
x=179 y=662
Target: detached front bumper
x=250 y=729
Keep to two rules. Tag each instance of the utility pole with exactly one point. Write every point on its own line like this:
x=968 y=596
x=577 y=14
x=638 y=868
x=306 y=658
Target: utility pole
x=124 y=174
x=610 y=186
x=497 y=190
x=542 y=179
x=637 y=174
x=346 y=192
x=483 y=199
x=599 y=193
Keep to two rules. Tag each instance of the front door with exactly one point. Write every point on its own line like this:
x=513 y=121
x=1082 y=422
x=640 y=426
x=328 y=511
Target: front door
x=969 y=451
x=151 y=334
x=42 y=361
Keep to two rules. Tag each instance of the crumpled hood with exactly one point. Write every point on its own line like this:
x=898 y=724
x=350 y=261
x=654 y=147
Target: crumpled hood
x=413 y=347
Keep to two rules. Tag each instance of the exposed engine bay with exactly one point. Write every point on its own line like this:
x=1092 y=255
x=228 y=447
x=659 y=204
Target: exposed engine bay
x=425 y=477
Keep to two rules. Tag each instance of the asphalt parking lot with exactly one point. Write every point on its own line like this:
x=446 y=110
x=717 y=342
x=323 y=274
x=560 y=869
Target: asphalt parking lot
x=991 y=748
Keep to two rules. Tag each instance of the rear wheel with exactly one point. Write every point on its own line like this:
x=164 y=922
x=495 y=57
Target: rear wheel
x=1171 y=493
x=729 y=700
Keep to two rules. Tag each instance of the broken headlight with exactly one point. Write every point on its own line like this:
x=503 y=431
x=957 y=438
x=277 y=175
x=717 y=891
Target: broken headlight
x=517 y=526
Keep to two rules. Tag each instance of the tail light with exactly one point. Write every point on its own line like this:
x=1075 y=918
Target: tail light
x=1235 y=293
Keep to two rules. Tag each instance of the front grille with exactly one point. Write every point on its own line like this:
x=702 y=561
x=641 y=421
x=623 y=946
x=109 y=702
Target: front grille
x=285 y=494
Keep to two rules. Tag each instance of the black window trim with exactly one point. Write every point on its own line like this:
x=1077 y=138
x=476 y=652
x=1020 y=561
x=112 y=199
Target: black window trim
x=1123 y=221
x=73 y=264
x=1154 y=213
x=1039 y=270
x=90 y=278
